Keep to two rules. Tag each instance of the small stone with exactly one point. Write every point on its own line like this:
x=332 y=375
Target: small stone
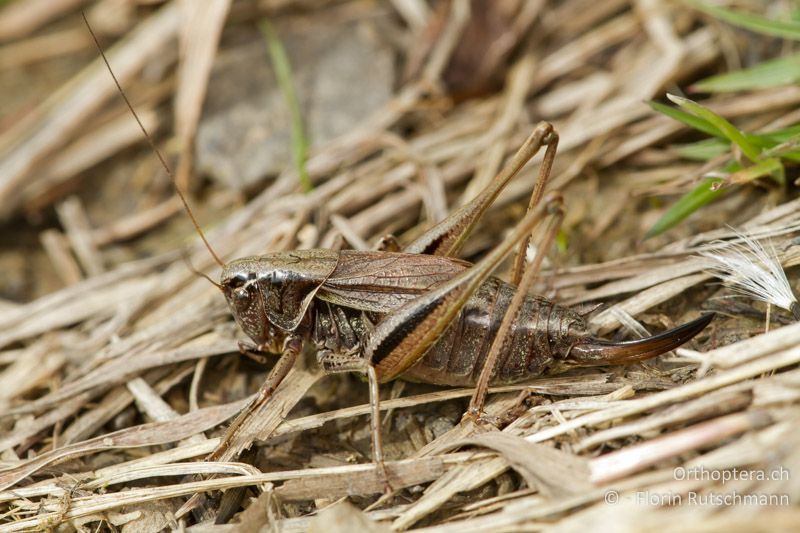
x=342 y=73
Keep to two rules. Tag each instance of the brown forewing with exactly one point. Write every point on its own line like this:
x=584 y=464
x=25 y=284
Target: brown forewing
x=382 y=281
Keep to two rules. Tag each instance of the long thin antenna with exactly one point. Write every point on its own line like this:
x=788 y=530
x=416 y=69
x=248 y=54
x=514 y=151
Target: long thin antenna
x=187 y=260
x=153 y=146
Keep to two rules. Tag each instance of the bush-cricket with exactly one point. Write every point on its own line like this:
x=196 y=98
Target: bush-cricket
x=420 y=312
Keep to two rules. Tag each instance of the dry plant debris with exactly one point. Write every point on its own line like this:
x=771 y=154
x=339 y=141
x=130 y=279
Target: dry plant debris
x=119 y=368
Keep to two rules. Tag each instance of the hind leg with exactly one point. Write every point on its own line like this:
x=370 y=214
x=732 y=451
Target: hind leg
x=528 y=273
x=448 y=236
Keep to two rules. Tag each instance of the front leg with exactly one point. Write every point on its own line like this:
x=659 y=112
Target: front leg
x=291 y=349
x=251 y=351
x=230 y=446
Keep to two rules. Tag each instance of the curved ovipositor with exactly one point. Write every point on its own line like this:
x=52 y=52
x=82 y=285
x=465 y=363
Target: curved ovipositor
x=594 y=352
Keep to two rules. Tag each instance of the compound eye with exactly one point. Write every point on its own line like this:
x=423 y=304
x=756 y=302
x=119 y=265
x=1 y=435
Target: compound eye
x=238 y=280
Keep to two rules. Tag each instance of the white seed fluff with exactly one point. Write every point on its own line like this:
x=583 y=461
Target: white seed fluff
x=751 y=270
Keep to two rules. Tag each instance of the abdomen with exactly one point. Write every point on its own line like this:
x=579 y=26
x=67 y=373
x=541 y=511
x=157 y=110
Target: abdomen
x=538 y=336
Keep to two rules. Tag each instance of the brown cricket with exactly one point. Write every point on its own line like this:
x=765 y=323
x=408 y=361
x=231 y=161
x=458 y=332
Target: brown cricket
x=420 y=313
x=424 y=315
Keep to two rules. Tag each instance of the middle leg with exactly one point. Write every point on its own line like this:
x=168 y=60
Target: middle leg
x=334 y=363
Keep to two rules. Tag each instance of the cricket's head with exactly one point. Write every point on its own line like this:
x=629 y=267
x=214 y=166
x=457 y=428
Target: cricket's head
x=270 y=294
x=239 y=284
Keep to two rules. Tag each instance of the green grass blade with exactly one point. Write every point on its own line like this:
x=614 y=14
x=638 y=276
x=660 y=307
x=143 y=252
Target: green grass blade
x=687 y=118
x=775 y=137
x=788 y=149
x=704 y=150
x=771 y=167
x=789 y=29
x=773 y=73
x=702 y=195
x=728 y=130
x=562 y=241
x=283 y=73
x=783 y=143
